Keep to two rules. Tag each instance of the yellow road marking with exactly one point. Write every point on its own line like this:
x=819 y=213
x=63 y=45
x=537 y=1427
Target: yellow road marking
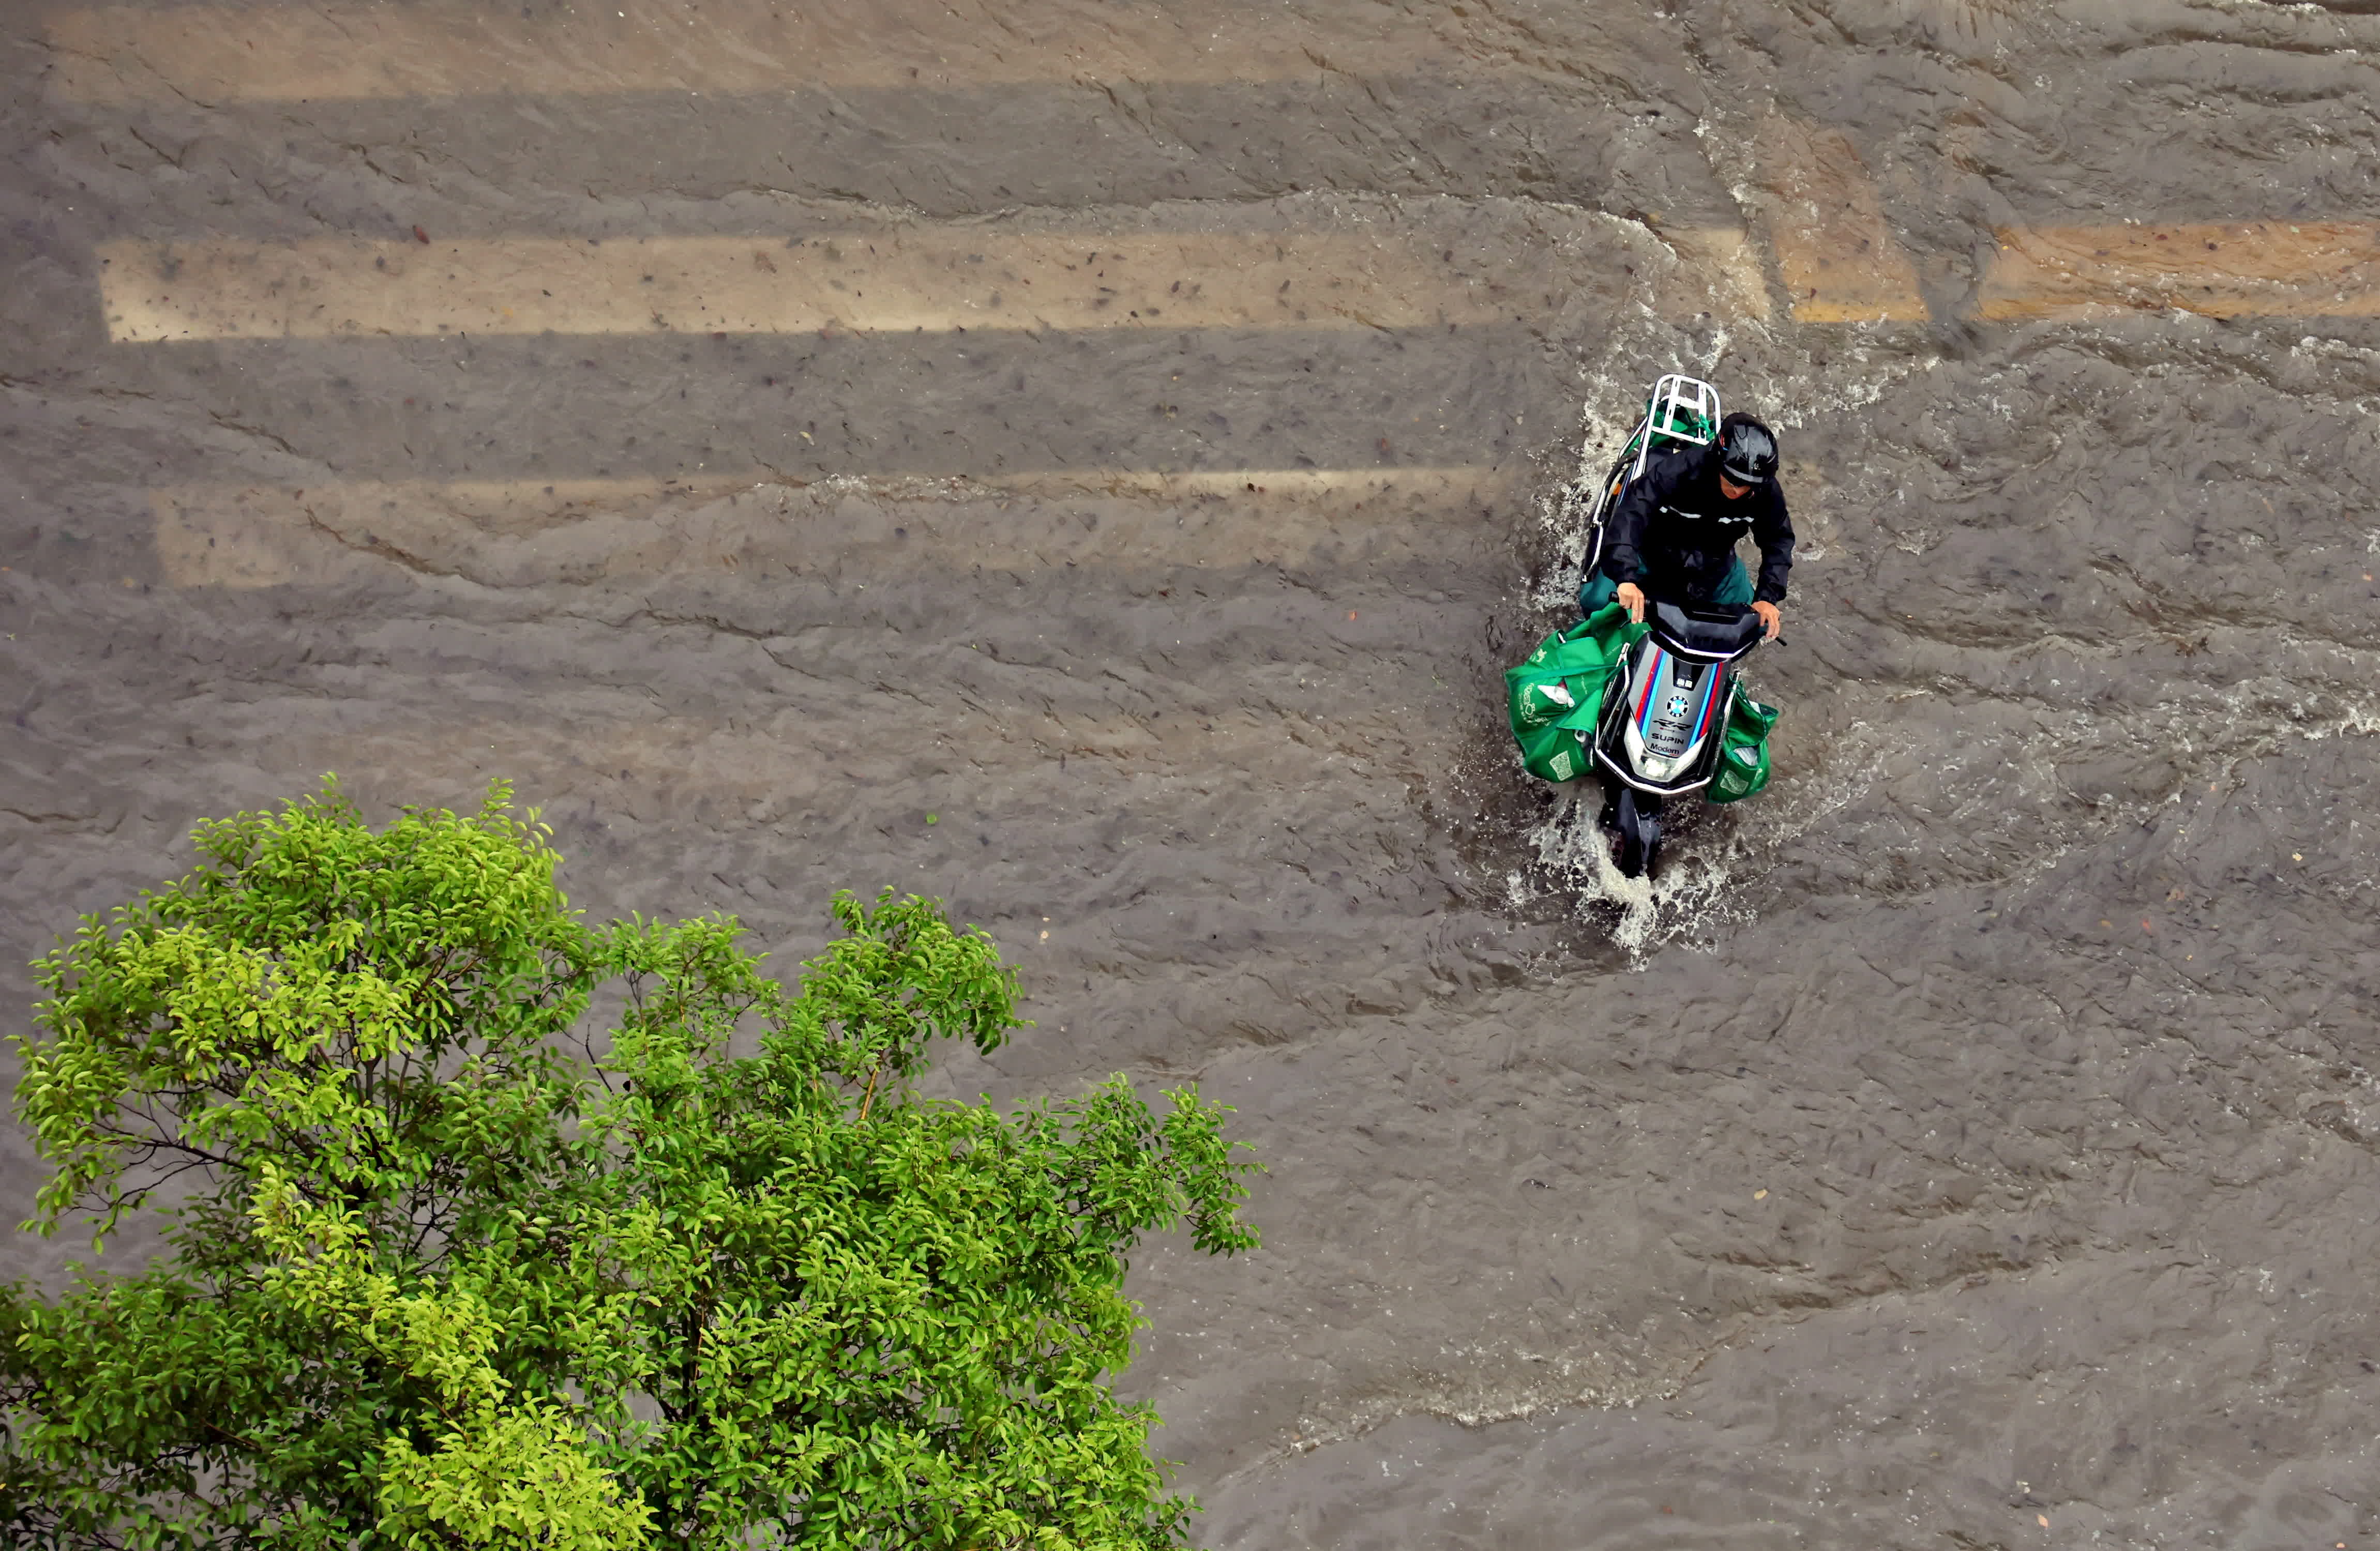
x=1838 y=259
x=2298 y=269
x=894 y=280
x=221 y=54
x=517 y=533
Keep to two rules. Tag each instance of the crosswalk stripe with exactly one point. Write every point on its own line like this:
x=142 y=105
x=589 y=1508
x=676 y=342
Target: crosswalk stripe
x=529 y=533
x=896 y=280
x=2299 y=269
x=1835 y=254
x=222 y=53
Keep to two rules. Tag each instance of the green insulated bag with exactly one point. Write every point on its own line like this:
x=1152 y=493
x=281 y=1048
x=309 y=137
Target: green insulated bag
x=1743 y=750
x=1556 y=694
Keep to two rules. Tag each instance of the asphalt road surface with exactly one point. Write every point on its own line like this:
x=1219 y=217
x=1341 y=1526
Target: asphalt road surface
x=1135 y=435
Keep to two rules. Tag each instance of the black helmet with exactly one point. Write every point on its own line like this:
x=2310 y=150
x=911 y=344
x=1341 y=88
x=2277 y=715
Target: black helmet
x=1747 y=450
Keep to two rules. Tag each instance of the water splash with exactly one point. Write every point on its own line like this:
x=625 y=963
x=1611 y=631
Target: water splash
x=1692 y=896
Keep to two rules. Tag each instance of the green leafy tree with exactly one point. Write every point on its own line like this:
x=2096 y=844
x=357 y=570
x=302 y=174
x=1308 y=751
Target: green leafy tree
x=447 y=1266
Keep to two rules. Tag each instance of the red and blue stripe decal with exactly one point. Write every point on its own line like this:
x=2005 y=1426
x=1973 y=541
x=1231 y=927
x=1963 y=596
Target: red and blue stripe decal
x=1656 y=671
x=1654 y=665
x=1710 y=703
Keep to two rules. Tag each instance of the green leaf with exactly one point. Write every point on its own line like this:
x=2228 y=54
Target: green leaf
x=457 y=1268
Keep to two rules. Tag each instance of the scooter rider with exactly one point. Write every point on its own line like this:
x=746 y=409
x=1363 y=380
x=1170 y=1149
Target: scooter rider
x=1674 y=531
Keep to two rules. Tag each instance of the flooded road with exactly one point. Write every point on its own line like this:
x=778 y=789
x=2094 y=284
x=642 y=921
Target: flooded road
x=1091 y=460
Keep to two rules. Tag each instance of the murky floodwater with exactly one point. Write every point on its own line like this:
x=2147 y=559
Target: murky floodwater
x=1971 y=1141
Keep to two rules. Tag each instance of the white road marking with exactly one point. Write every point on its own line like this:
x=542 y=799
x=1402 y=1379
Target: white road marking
x=896 y=279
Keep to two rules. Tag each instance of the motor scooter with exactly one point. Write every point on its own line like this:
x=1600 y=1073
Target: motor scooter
x=1659 y=734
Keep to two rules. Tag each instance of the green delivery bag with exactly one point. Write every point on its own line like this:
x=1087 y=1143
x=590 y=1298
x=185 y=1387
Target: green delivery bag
x=1554 y=695
x=1743 y=750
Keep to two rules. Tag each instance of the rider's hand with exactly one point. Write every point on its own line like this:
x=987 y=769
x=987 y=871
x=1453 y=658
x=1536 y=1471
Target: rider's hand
x=1634 y=595
x=1771 y=617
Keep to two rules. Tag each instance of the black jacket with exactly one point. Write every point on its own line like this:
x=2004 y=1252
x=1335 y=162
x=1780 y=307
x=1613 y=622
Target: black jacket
x=1673 y=532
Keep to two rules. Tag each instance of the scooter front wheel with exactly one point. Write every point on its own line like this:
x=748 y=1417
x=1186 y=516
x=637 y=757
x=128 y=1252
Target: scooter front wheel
x=1638 y=819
